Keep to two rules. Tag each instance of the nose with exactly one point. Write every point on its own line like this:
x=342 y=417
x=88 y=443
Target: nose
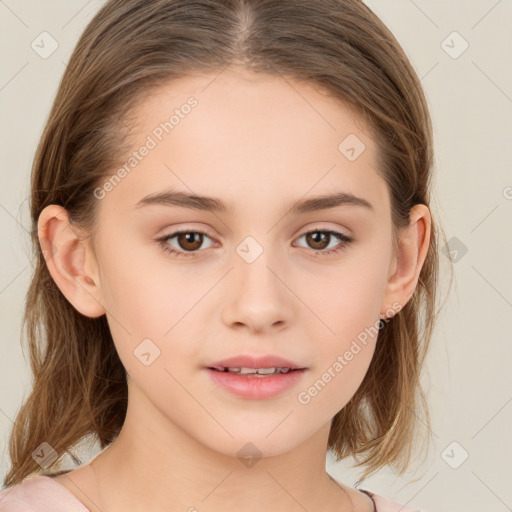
x=258 y=297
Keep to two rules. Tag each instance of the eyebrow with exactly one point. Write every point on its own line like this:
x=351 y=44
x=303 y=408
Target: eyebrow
x=213 y=204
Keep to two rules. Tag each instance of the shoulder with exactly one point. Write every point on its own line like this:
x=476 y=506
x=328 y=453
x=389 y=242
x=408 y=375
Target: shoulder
x=382 y=504
x=38 y=494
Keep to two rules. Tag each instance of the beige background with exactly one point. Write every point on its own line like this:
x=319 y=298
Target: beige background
x=468 y=375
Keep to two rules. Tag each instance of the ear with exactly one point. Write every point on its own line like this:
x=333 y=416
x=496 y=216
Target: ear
x=412 y=250
x=70 y=260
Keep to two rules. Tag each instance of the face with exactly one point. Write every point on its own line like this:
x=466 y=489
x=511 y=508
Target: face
x=258 y=277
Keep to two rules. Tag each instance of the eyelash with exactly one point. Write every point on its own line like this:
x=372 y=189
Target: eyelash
x=346 y=240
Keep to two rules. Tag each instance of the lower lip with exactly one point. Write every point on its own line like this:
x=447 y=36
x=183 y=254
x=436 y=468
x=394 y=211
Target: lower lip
x=256 y=388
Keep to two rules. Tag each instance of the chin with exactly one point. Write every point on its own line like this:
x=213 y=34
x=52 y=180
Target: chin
x=254 y=444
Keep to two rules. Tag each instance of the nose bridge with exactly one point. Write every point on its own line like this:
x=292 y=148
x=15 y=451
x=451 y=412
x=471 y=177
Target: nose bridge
x=258 y=262
x=258 y=298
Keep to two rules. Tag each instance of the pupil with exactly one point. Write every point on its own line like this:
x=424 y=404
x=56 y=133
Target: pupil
x=190 y=238
x=317 y=237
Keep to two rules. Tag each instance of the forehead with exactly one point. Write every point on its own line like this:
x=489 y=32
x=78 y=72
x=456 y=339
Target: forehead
x=239 y=135
x=248 y=104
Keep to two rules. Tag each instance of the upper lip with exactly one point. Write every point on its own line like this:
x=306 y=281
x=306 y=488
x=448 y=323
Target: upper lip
x=247 y=361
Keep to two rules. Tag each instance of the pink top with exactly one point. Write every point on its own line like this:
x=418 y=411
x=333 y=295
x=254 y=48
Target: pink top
x=44 y=494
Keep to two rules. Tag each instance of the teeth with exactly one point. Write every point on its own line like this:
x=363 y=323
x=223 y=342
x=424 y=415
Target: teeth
x=259 y=371
x=267 y=371
x=245 y=371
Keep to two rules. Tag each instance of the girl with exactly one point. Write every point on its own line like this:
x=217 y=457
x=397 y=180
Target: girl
x=236 y=261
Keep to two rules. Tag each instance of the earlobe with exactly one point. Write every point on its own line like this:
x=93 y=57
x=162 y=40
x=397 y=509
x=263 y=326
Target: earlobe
x=411 y=254
x=68 y=258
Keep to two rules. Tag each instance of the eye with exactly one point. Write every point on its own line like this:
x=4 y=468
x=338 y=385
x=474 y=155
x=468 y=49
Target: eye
x=190 y=241
x=320 y=239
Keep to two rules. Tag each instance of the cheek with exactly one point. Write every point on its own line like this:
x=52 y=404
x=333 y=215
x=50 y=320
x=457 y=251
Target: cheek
x=143 y=292
x=347 y=305
x=342 y=357
x=347 y=299
x=156 y=312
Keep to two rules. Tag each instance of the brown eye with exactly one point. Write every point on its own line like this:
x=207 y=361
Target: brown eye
x=190 y=241
x=320 y=239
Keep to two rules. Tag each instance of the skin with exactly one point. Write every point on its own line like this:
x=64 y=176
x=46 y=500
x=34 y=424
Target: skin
x=260 y=142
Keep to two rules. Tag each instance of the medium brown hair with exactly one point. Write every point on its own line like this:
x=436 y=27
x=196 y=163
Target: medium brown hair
x=131 y=47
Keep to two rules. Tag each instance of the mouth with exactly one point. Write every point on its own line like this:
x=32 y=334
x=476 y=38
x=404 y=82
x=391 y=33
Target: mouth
x=255 y=365
x=256 y=377
x=255 y=372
